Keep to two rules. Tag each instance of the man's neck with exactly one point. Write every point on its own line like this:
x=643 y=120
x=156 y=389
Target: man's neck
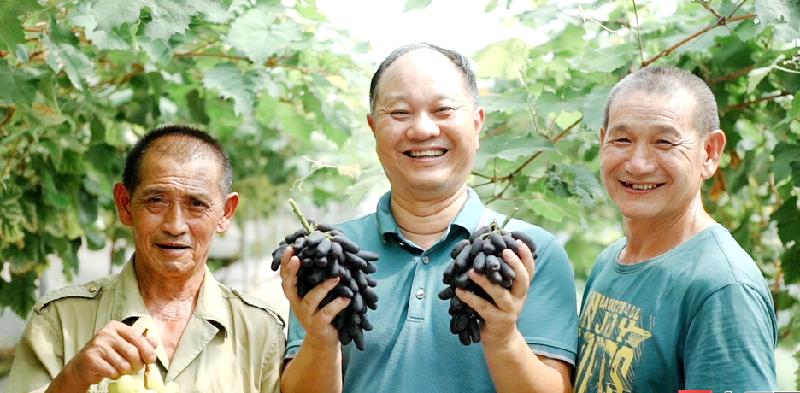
x=170 y=302
x=424 y=221
x=647 y=239
x=166 y=297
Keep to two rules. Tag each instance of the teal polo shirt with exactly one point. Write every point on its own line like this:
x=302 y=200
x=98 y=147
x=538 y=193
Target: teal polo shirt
x=411 y=348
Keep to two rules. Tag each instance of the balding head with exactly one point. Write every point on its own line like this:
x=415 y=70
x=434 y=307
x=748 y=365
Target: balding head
x=459 y=61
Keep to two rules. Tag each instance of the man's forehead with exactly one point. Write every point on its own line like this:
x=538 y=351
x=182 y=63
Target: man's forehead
x=421 y=67
x=421 y=60
x=678 y=99
x=678 y=106
x=201 y=168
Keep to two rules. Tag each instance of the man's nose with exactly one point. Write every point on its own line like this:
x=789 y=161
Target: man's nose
x=174 y=222
x=641 y=160
x=423 y=128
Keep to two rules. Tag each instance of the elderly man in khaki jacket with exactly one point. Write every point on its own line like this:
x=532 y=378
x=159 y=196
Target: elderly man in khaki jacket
x=175 y=194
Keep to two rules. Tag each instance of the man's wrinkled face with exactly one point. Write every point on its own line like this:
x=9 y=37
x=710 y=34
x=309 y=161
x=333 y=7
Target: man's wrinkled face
x=175 y=211
x=425 y=124
x=654 y=160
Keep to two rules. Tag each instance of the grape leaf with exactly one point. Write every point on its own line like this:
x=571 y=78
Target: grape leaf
x=17 y=85
x=259 y=34
x=11 y=12
x=73 y=62
x=771 y=12
x=230 y=82
x=112 y=13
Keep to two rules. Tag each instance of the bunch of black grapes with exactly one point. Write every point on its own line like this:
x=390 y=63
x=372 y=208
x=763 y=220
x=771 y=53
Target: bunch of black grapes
x=483 y=251
x=325 y=252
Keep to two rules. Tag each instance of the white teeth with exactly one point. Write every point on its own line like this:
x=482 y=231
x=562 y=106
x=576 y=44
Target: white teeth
x=643 y=187
x=426 y=153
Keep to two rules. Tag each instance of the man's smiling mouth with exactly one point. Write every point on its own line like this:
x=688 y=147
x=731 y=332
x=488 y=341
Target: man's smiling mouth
x=641 y=186
x=425 y=153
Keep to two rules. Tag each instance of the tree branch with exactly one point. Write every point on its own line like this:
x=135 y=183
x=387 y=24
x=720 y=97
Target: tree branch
x=638 y=30
x=720 y=22
x=271 y=62
x=729 y=77
x=218 y=55
x=137 y=69
x=708 y=8
x=745 y=104
x=507 y=178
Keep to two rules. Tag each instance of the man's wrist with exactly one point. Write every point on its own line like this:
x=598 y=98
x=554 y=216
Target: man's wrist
x=319 y=347
x=503 y=342
x=68 y=380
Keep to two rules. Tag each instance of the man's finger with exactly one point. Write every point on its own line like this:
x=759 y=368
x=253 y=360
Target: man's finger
x=315 y=296
x=115 y=359
x=481 y=306
x=144 y=342
x=102 y=369
x=526 y=256
x=130 y=352
x=288 y=272
x=523 y=268
x=500 y=295
x=329 y=312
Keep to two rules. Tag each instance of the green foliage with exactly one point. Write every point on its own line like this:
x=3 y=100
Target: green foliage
x=83 y=80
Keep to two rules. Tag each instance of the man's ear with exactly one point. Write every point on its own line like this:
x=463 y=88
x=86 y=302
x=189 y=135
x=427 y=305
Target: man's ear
x=712 y=149
x=480 y=117
x=231 y=202
x=371 y=123
x=122 y=200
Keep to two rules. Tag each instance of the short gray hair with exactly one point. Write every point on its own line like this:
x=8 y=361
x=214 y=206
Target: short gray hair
x=181 y=143
x=460 y=61
x=667 y=80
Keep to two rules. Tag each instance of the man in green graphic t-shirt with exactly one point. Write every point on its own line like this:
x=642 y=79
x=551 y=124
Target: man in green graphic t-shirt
x=677 y=303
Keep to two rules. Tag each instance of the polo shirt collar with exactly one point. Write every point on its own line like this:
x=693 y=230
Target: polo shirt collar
x=469 y=217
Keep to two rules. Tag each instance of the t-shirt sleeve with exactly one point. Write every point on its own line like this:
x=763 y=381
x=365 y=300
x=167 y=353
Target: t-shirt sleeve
x=549 y=320
x=295 y=336
x=730 y=342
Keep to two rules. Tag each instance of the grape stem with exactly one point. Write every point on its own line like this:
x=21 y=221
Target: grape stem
x=146 y=366
x=300 y=216
x=509 y=217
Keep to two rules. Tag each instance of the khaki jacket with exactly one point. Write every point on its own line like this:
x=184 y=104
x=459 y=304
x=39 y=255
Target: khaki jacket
x=232 y=343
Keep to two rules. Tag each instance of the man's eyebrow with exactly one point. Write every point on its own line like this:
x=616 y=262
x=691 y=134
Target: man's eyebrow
x=194 y=194
x=618 y=128
x=665 y=129
x=152 y=190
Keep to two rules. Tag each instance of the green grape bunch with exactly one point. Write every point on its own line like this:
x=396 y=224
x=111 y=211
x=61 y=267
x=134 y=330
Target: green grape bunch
x=150 y=382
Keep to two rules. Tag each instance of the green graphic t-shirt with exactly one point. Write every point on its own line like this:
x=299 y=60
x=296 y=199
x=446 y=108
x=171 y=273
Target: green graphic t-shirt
x=697 y=317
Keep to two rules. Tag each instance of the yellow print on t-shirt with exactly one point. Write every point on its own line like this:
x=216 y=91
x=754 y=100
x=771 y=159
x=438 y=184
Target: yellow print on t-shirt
x=611 y=337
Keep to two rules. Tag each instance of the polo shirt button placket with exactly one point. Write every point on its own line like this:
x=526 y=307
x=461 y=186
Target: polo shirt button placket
x=420 y=293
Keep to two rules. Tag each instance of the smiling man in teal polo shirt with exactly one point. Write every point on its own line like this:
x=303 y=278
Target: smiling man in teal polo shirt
x=426 y=121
